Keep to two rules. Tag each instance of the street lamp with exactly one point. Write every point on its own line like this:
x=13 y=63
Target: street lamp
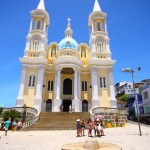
x=132 y=71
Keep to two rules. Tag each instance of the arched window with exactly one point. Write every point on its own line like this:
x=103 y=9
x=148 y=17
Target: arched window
x=39 y=25
x=102 y=82
x=67 y=87
x=98 y=26
x=31 y=81
x=35 y=43
x=100 y=47
x=84 y=106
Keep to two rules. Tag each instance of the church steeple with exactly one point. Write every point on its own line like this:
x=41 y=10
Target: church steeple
x=68 y=31
x=41 y=5
x=99 y=40
x=37 y=36
x=96 y=6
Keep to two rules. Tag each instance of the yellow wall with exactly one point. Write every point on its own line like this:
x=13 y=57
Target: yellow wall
x=29 y=92
x=104 y=93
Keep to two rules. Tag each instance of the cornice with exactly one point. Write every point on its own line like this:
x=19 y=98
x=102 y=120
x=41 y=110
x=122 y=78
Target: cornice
x=95 y=62
x=68 y=60
x=33 y=61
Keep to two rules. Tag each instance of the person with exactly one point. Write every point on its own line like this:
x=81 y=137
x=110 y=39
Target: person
x=61 y=108
x=99 y=128
x=73 y=108
x=96 y=128
x=90 y=127
x=7 y=124
x=102 y=128
x=78 y=127
x=82 y=128
x=19 y=125
x=13 y=125
x=70 y=108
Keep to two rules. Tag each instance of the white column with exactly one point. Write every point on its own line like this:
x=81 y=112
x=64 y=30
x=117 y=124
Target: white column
x=95 y=97
x=31 y=24
x=113 y=102
x=93 y=48
x=19 y=101
x=42 y=46
x=76 y=101
x=75 y=84
x=79 y=84
x=39 y=88
x=57 y=100
x=44 y=28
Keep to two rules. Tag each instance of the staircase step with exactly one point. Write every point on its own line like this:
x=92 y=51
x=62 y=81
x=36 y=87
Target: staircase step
x=58 y=121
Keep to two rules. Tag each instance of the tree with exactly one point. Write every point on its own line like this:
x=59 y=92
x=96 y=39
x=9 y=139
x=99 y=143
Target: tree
x=123 y=97
x=1 y=110
x=13 y=114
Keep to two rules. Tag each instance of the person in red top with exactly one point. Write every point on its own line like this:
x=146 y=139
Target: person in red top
x=90 y=127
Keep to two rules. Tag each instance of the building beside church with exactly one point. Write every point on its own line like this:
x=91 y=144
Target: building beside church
x=67 y=73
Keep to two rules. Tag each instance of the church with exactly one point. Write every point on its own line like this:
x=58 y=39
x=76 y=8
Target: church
x=67 y=73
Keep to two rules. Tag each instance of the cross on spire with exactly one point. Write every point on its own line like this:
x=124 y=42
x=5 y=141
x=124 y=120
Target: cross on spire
x=69 y=20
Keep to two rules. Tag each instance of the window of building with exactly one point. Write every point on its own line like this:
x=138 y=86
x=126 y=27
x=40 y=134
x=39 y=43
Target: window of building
x=102 y=82
x=145 y=94
x=50 y=86
x=31 y=82
x=38 y=25
x=100 y=47
x=35 y=45
x=84 y=85
x=98 y=26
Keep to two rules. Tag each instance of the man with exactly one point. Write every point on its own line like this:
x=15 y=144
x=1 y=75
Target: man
x=7 y=125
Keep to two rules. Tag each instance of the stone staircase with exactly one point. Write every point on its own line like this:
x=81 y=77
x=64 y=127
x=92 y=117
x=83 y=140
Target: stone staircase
x=58 y=121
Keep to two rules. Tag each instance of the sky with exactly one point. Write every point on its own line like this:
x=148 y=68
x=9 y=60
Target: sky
x=128 y=24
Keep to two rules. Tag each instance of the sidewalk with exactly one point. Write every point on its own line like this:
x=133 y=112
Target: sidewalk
x=128 y=138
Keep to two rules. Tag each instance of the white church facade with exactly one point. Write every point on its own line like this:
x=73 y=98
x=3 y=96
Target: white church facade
x=67 y=73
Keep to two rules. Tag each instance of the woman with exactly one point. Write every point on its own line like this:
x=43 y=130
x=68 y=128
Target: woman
x=78 y=127
x=82 y=127
x=90 y=127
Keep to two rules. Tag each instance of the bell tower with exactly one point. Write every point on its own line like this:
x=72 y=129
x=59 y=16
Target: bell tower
x=101 y=61
x=34 y=59
x=37 y=36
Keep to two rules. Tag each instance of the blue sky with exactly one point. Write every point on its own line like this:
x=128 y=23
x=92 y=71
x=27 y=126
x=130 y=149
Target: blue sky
x=128 y=24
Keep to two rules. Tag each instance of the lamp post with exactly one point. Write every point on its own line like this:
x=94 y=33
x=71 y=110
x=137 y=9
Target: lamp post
x=132 y=71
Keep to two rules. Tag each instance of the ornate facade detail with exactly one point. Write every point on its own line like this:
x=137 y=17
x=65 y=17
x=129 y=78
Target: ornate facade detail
x=67 y=73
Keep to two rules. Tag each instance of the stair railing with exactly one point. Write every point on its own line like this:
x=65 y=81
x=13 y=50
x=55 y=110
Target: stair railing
x=106 y=111
x=29 y=115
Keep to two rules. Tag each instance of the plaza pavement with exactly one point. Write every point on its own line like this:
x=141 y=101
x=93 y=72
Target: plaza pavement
x=127 y=137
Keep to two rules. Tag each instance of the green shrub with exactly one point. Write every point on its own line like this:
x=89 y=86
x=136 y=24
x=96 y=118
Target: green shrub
x=13 y=114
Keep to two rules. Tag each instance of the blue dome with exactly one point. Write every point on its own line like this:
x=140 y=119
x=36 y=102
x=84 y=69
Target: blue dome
x=68 y=43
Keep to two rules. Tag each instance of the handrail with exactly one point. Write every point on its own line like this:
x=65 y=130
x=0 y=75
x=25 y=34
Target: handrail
x=32 y=115
x=98 y=110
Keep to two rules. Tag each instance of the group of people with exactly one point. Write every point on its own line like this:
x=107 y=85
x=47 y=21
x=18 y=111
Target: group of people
x=71 y=108
x=96 y=125
x=15 y=125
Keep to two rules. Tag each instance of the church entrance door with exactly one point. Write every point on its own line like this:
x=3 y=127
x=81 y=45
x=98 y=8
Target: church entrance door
x=66 y=104
x=49 y=105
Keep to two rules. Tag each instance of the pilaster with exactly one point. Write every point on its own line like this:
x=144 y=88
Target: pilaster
x=39 y=88
x=95 y=97
x=113 y=102
x=20 y=102
x=57 y=100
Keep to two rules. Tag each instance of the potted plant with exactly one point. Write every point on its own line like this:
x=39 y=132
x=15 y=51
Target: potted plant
x=123 y=125
x=108 y=124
